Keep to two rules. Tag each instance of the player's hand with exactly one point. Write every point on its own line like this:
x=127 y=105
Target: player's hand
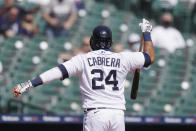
x=21 y=88
x=145 y=26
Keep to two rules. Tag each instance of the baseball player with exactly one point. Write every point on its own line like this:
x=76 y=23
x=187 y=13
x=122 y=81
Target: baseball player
x=102 y=74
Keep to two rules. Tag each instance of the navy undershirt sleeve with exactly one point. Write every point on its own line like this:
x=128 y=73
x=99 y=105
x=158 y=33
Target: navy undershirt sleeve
x=147 y=36
x=147 y=59
x=64 y=71
x=36 y=82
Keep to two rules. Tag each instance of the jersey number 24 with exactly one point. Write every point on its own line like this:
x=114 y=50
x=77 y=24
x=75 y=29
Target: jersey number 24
x=108 y=80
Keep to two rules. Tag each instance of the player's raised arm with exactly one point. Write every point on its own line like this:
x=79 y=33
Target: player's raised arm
x=146 y=28
x=145 y=58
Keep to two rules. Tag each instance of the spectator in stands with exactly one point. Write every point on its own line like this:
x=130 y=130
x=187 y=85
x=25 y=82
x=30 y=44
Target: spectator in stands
x=85 y=48
x=67 y=56
x=29 y=27
x=7 y=4
x=118 y=47
x=64 y=57
x=74 y=51
x=60 y=15
x=10 y=22
x=133 y=42
x=166 y=36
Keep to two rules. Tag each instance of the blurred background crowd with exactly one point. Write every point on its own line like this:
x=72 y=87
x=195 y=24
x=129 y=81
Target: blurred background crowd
x=171 y=17
x=36 y=35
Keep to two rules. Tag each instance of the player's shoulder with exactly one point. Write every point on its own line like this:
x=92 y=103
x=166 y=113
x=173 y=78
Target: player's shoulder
x=125 y=52
x=130 y=54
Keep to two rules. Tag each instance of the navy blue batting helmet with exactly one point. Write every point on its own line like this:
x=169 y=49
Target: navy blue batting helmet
x=101 y=38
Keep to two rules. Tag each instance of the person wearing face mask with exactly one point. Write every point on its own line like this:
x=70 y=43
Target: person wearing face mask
x=166 y=36
x=10 y=22
x=29 y=27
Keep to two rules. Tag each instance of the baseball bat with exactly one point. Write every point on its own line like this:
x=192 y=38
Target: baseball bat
x=136 y=77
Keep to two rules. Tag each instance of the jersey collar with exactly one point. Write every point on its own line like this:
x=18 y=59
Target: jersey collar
x=107 y=49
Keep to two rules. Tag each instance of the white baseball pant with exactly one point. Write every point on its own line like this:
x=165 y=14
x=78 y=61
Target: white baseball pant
x=104 y=120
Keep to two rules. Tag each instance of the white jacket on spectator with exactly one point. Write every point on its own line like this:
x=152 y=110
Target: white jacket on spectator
x=168 y=38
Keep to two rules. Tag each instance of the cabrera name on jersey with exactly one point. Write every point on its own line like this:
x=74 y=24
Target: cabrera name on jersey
x=102 y=75
x=103 y=61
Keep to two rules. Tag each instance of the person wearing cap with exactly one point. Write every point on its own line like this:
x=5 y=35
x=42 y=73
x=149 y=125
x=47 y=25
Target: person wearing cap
x=166 y=36
x=133 y=42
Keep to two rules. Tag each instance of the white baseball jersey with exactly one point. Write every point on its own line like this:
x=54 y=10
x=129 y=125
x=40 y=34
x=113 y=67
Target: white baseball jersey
x=102 y=75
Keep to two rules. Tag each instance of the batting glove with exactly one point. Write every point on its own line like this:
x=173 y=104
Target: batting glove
x=145 y=26
x=21 y=88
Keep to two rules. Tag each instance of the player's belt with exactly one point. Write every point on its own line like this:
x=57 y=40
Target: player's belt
x=89 y=109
